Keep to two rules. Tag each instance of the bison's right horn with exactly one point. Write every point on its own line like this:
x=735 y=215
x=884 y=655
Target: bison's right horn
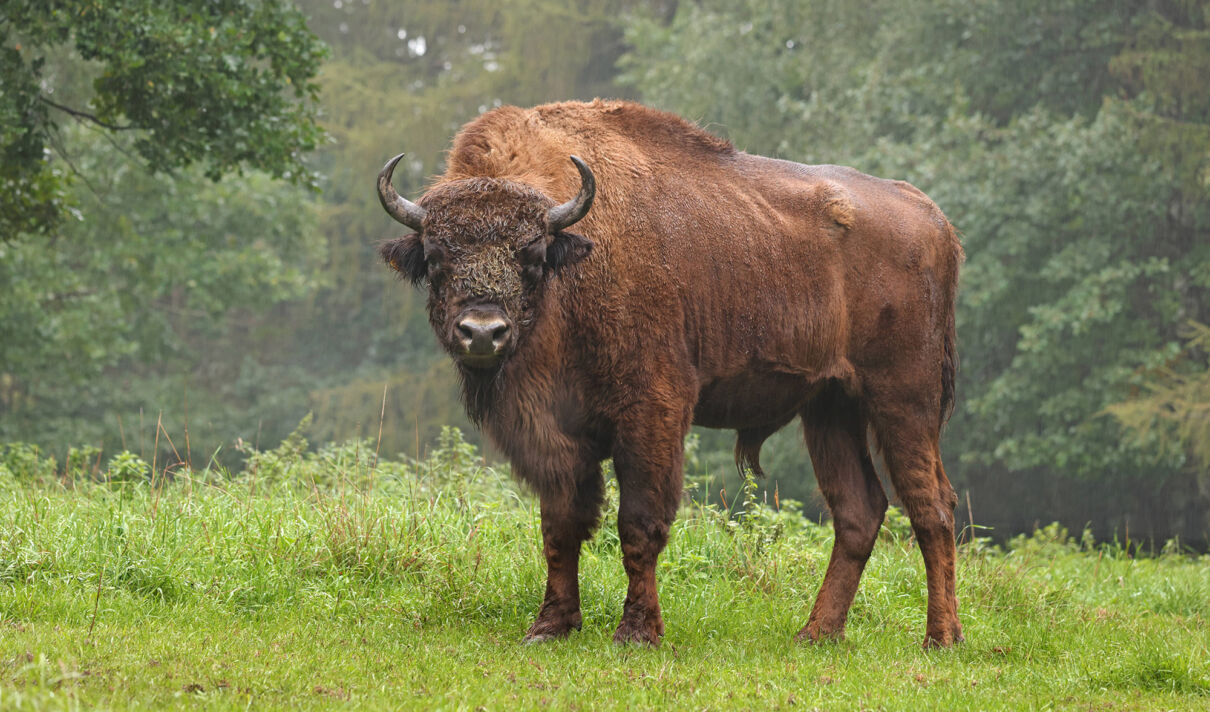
x=567 y=214
x=400 y=208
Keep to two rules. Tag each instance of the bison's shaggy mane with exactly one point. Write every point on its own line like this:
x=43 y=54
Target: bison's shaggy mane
x=659 y=127
x=528 y=143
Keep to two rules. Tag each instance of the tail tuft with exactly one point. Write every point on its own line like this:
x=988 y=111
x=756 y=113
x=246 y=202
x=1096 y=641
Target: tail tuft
x=747 y=450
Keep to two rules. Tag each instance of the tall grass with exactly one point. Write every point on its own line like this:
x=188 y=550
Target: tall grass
x=333 y=577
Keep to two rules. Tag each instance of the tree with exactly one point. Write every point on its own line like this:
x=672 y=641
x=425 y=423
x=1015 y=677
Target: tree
x=166 y=299
x=1172 y=410
x=229 y=84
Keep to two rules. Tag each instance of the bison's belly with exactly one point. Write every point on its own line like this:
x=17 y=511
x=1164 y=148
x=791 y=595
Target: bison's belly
x=751 y=400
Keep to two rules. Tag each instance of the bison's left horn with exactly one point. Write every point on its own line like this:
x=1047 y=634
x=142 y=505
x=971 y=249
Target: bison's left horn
x=400 y=208
x=567 y=214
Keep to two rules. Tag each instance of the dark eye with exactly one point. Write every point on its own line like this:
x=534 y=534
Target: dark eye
x=533 y=260
x=531 y=273
x=433 y=255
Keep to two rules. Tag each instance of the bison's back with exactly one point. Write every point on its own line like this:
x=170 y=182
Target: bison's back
x=623 y=142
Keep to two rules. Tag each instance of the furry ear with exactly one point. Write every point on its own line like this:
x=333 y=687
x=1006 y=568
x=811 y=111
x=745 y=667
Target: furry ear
x=567 y=248
x=406 y=256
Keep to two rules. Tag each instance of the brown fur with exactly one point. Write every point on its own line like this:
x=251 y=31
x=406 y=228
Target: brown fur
x=705 y=285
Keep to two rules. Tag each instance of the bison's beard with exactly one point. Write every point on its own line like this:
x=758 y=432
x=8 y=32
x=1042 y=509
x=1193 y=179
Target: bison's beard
x=480 y=388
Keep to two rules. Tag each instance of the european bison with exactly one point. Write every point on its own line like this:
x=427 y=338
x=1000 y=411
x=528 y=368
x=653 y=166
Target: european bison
x=684 y=281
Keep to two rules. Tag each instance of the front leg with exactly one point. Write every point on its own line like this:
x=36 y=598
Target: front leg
x=568 y=518
x=648 y=458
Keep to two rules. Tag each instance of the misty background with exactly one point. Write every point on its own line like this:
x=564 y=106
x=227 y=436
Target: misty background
x=148 y=307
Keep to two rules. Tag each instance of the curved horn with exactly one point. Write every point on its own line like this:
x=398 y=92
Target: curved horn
x=400 y=208
x=567 y=214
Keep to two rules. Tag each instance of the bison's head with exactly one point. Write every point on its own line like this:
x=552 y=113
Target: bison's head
x=486 y=247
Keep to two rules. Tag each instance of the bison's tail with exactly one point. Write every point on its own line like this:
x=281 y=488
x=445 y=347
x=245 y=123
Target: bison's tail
x=949 y=358
x=747 y=449
x=949 y=371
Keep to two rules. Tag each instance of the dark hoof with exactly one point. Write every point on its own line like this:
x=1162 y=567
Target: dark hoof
x=639 y=633
x=552 y=628
x=947 y=639
x=816 y=633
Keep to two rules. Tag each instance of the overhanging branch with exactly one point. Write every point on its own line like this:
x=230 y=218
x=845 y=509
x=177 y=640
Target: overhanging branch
x=86 y=116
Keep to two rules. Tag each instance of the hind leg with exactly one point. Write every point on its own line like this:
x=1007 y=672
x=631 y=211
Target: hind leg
x=835 y=433
x=951 y=592
x=909 y=437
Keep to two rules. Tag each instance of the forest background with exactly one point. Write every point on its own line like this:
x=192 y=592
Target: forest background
x=188 y=266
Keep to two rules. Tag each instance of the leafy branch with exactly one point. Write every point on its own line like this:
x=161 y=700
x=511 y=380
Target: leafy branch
x=76 y=113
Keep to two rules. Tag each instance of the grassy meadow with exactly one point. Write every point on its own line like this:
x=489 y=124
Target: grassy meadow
x=332 y=579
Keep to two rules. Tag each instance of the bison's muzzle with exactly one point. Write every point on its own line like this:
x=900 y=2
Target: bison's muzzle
x=484 y=334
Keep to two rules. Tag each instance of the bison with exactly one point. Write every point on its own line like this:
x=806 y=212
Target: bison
x=597 y=307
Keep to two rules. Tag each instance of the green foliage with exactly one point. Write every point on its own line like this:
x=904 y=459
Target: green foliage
x=1053 y=254
x=1171 y=412
x=161 y=300
x=454 y=464
x=82 y=462
x=453 y=454
x=34 y=187
x=896 y=526
x=1051 y=540
x=163 y=283
x=229 y=84
x=160 y=287
x=25 y=461
x=127 y=467
x=787 y=64
x=277 y=464
x=1011 y=56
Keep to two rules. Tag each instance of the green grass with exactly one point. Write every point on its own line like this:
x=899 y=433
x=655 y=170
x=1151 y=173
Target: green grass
x=313 y=581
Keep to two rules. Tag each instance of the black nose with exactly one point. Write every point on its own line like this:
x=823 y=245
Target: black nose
x=482 y=334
